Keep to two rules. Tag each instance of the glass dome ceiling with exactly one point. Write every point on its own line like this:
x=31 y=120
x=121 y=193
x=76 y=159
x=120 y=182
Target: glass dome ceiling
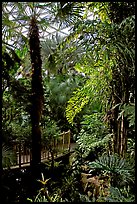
x=16 y=17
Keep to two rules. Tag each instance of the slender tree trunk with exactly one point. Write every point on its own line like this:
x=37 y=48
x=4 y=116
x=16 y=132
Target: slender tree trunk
x=120 y=82
x=120 y=126
x=124 y=122
x=37 y=92
x=116 y=99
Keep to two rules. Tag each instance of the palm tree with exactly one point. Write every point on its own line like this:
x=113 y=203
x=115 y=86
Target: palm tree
x=16 y=17
x=37 y=91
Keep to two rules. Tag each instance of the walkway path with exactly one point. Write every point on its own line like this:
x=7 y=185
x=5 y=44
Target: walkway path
x=25 y=159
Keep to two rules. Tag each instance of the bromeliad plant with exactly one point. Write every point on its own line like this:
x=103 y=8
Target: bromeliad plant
x=43 y=195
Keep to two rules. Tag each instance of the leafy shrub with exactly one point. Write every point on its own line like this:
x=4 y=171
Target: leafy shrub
x=93 y=123
x=129 y=111
x=94 y=134
x=131 y=148
x=118 y=168
x=88 y=143
x=117 y=195
x=49 y=134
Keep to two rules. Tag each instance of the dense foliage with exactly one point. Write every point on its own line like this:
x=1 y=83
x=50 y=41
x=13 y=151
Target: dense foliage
x=83 y=81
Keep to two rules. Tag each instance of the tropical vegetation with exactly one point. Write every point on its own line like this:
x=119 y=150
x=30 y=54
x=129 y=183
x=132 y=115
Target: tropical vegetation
x=69 y=66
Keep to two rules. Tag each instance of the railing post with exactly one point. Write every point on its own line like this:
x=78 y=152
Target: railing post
x=19 y=154
x=27 y=152
x=55 y=147
x=63 y=141
x=48 y=154
x=62 y=144
x=16 y=150
x=30 y=154
x=24 y=152
x=69 y=140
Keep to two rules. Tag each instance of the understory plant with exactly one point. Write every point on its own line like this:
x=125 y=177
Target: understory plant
x=43 y=195
x=121 y=174
x=66 y=191
x=50 y=136
x=8 y=156
x=119 y=195
x=94 y=134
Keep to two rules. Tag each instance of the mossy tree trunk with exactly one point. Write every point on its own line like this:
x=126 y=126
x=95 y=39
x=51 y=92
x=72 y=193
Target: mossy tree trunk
x=37 y=91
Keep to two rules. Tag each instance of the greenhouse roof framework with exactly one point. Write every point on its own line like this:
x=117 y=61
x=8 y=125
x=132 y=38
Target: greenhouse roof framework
x=16 y=16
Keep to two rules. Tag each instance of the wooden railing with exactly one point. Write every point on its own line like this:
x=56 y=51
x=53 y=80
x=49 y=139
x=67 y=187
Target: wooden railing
x=59 y=147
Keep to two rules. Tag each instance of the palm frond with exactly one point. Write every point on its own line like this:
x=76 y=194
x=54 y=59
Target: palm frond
x=116 y=195
x=114 y=165
x=66 y=13
x=8 y=156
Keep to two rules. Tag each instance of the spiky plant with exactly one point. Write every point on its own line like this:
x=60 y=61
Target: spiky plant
x=8 y=156
x=118 y=168
x=37 y=90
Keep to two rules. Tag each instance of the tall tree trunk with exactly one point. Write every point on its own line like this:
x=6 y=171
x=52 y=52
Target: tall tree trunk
x=120 y=126
x=37 y=91
x=124 y=121
x=120 y=82
x=116 y=99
